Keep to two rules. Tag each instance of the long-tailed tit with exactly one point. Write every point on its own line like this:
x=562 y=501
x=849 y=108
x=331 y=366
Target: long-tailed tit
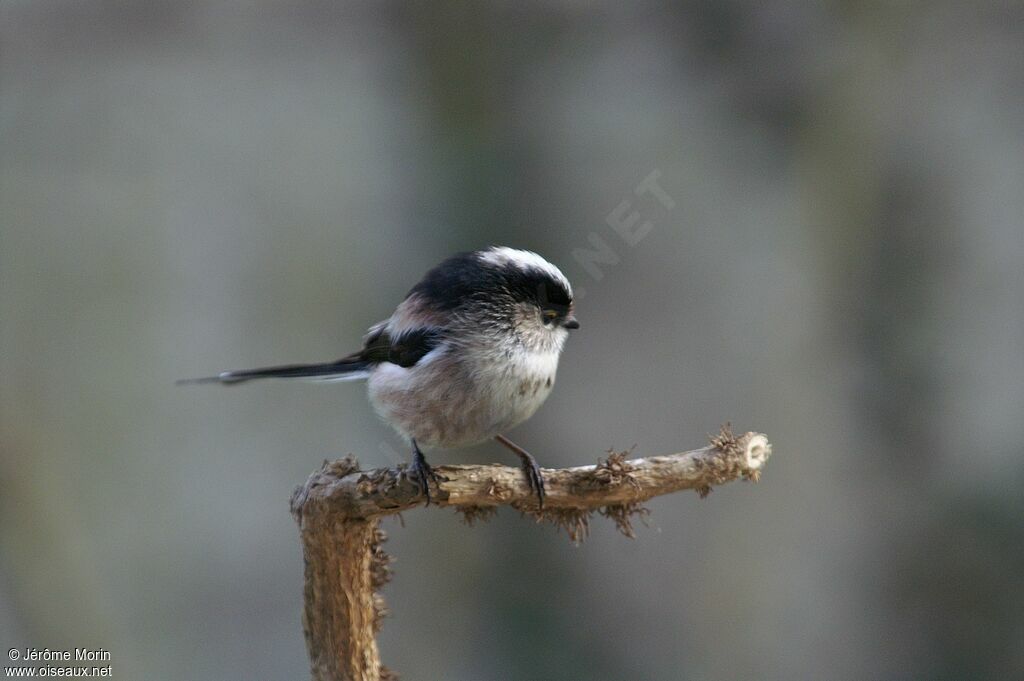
x=471 y=352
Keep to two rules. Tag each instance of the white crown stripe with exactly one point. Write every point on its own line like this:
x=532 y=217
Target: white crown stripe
x=503 y=255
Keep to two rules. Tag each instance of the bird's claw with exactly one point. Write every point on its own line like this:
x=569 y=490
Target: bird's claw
x=534 y=479
x=425 y=474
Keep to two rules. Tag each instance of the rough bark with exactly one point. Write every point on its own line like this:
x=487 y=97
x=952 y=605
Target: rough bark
x=339 y=507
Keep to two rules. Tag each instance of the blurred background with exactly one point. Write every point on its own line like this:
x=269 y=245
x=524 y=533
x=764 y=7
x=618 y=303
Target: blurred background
x=834 y=258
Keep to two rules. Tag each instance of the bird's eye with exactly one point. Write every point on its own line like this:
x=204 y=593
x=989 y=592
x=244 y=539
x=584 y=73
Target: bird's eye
x=550 y=315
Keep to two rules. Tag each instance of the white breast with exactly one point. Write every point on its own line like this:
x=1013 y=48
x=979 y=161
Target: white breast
x=522 y=387
x=447 y=402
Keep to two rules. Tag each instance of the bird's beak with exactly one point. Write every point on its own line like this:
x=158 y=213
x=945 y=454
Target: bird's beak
x=570 y=323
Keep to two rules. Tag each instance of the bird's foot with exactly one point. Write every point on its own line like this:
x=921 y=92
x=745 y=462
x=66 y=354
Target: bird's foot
x=424 y=474
x=534 y=478
x=530 y=468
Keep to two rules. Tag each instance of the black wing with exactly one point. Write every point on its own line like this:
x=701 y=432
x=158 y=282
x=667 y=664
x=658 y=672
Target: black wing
x=405 y=349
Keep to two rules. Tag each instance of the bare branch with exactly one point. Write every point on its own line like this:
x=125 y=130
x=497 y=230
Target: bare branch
x=364 y=494
x=339 y=507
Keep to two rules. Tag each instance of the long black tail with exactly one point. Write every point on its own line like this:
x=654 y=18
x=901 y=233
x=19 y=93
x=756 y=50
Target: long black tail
x=346 y=369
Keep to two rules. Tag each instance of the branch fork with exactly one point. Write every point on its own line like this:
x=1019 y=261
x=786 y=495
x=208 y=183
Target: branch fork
x=339 y=508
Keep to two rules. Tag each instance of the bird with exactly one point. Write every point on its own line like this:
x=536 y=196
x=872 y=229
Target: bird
x=470 y=352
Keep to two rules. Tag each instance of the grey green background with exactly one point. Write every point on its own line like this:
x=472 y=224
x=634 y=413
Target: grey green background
x=187 y=187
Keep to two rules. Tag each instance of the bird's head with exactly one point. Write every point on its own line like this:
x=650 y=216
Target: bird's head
x=536 y=292
x=504 y=289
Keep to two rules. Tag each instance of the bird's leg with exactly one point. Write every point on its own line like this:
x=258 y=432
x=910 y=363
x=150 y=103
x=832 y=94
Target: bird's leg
x=423 y=471
x=530 y=468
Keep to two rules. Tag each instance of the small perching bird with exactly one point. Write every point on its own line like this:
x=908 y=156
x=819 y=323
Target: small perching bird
x=471 y=352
